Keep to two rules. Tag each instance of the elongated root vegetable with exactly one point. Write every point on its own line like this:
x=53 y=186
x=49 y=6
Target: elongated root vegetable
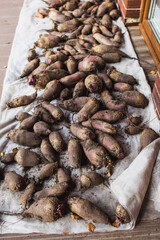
x=55 y=3
x=95 y=153
x=22 y=101
x=41 y=128
x=56 y=112
x=133 y=130
x=103 y=49
x=47 y=170
x=91 y=107
x=15 y=182
x=135 y=99
x=79 y=90
x=28 y=123
x=122 y=214
x=55 y=65
x=43 y=114
x=22 y=115
x=31 y=54
x=107 y=81
x=71 y=80
x=147 y=136
x=47 y=151
x=117 y=76
x=55 y=15
x=27 y=158
x=112 y=146
x=44 y=210
x=122 y=87
x=104 y=40
x=25 y=138
x=74 y=104
x=111 y=57
x=71 y=65
x=65 y=94
x=30 y=67
x=57 y=190
x=8 y=158
x=80 y=132
x=90 y=179
x=86 y=209
x=47 y=41
x=108 y=115
x=63 y=176
x=52 y=90
x=28 y=193
x=93 y=83
x=40 y=68
x=132 y=121
x=75 y=153
x=100 y=125
x=56 y=141
x=91 y=63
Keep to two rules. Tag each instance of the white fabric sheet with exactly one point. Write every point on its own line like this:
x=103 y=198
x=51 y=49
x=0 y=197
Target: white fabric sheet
x=131 y=176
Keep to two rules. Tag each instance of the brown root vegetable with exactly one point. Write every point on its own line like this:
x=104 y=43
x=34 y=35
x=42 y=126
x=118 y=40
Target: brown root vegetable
x=30 y=67
x=106 y=96
x=114 y=14
x=22 y=101
x=87 y=29
x=115 y=29
x=79 y=90
x=43 y=114
x=65 y=27
x=47 y=54
x=22 y=115
x=65 y=94
x=111 y=144
x=95 y=29
x=74 y=104
x=8 y=157
x=105 y=31
x=112 y=104
x=25 y=138
x=63 y=176
x=117 y=76
x=89 y=39
x=52 y=90
x=55 y=3
x=71 y=65
x=44 y=210
x=90 y=63
x=47 y=151
x=108 y=115
x=75 y=33
x=79 y=48
x=103 y=40
x=56 y=112
x=28 y=123
x=42 y=12
x=71 y=80
x=55 y=15
x=134 y=99
x=27 y=158
x=90 y=108
x=103 y=49
x=95 y=153
x=106 y=21
x=41 y=128
x=133 y=130
x=132 y=121
x=102 y=9
x=75 y=153
x=147 y=136
x=56 y=141
x=122 y=214
x=118 y=37
x=111 y=57
x=71 y=5
x=107 y=81
x=28 y=193
x=93 y=83
x=41 y=67
x=31 y=54
x=40 y=79
x=47 y=41
x=85 y=5
x=47 y=170
x=100 y=125
x=78 y=12
x=90 y=179
x=69 y=49
x=86 y=209
x=57 y=190
x=55 y=65
x=15 y=182
x=122 y=87
x=54 y=58
x=81 y=132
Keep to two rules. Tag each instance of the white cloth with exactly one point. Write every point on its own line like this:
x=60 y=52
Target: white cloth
x=131 y=176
